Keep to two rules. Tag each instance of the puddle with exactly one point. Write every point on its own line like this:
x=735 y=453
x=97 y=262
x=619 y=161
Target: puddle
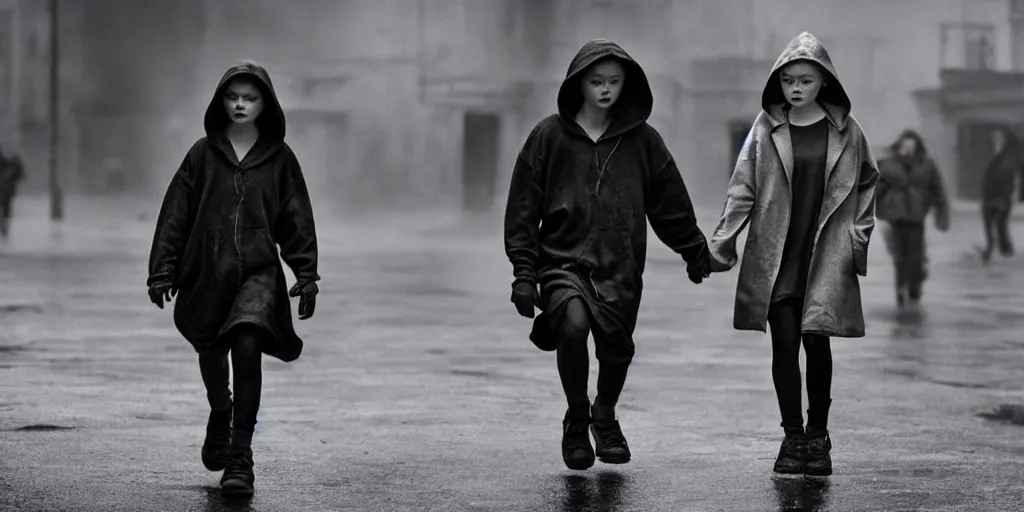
x=42 y=427
x=1006 y=413
x=21 y=308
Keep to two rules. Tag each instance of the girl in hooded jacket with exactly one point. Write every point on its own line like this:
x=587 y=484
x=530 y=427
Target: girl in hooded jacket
x=805 y=183
x=585 y=184
x=237 y=195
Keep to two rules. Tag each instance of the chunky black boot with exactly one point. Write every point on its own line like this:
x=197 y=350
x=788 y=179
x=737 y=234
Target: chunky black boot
x=238 y=478
x=611 y=444
x=792 y=455
x=218 y=438
x=577 y=453
x=819 y=444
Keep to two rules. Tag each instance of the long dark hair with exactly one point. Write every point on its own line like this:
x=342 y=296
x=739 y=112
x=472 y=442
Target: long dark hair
x=919 y=150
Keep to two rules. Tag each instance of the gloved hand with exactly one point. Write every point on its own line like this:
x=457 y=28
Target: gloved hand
x=942 y=221
x=306 y=292
x=525 y=296
x=701 y=269
x=162 y=291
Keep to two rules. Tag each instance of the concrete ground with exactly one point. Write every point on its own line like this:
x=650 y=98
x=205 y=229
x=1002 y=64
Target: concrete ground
x=419 y=390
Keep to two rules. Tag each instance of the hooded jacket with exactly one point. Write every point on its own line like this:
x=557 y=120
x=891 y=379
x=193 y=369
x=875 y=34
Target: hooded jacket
x=759 y=195
x=577 y=212
x=1000 y=175
x=909 y=187
x=221 y=223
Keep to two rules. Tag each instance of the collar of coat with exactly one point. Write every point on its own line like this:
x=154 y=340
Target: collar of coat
x=838 y=137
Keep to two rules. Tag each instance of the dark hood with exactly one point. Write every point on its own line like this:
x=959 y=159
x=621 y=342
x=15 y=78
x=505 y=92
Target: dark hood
x=806 y=47
x=634 y=104
x=270 y=121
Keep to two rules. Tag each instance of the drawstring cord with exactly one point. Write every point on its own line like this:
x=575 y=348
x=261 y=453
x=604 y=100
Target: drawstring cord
x=600 y=172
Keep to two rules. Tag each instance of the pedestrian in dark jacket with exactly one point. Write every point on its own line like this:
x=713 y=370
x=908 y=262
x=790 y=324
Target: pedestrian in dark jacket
x=237 y=196
x=997 y=188
x=805 y=182
x=585 y=184
x=11 y=173
x=909 y=187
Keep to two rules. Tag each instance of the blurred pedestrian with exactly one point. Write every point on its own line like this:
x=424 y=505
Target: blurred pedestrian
x=12 y=171
x=909 y=187
x=585 y=184
x=238 y=194
x=805 y=182
x=998 y=186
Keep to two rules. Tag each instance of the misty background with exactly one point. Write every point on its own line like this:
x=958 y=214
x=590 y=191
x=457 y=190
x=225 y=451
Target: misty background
x=422 y=105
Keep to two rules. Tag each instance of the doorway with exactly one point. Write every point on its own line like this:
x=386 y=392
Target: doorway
x=480 y=153
x=738 y=129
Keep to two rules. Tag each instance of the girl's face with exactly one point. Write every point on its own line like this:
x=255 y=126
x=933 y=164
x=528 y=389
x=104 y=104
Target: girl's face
x=801 y=82
x=243 y=102
x=602 y=85
x=998 y=140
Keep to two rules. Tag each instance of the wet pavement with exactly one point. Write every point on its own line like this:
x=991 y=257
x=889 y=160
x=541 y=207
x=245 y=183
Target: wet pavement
x=419 y=390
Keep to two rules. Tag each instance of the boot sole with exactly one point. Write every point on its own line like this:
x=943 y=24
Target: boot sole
x=578 y=465
x=235 y=491
x=826 y=472
x=789 y=471
x=614 y=459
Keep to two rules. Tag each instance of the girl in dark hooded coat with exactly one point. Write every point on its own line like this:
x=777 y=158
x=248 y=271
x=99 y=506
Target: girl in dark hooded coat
x=238 y=194
x=585 y=184
x=909 y=187
x=805 y=182
x=997 y=192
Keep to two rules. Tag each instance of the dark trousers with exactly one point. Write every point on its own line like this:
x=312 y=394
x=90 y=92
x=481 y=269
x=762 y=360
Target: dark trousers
x=570 y=324
x=908 y=252
x=244 y=345
x=784 y=322
x=997 y=230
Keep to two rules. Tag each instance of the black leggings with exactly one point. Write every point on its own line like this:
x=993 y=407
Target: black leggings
x=997 y=230
x=784 y=320
x=571 y=326
x=244 y=344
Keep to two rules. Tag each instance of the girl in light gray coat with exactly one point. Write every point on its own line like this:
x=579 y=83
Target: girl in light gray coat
x=805 y=183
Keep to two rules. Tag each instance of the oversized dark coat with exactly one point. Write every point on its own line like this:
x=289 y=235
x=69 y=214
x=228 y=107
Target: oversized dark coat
x=910 y=187
x=759 y=194
x=221 y=222
x=577 y=212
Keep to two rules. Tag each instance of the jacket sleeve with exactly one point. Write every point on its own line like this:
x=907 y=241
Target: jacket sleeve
x=174 y=223
x=864 y=220
x=739 y=201
x=881 y=189
x=670 y=212
x=937 y=193
x=294 y=229
x=523 y=213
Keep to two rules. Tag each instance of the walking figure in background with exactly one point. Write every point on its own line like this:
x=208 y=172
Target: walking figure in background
x=583 y=188
x=11 y=173
x=998 y=186
x=238 y=194
x=909 y=187
x=805 y=182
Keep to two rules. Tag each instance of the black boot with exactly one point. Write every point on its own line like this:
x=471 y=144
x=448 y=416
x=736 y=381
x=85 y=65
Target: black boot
x=793 y=453
x=577 y=452
x=238 y=478
x=218 y=434
x=611 y=444
x=819 y=444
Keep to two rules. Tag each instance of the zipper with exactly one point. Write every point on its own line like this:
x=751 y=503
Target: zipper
x=602 y=168
x=240 y=191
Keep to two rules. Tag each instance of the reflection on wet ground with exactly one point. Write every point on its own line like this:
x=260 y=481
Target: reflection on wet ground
x=797 y=494
x=604 y=491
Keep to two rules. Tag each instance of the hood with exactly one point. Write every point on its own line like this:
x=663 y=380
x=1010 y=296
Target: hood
x=806 y=47
x=634 y=104
x=270 y=121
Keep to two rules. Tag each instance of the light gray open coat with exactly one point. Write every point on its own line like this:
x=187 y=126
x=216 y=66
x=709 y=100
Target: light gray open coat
x=759 y=195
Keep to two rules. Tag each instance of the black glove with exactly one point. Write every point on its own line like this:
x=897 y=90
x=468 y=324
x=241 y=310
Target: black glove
x=162 y=291
x=701 y=269
x=525 y=296
x=306 y=292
